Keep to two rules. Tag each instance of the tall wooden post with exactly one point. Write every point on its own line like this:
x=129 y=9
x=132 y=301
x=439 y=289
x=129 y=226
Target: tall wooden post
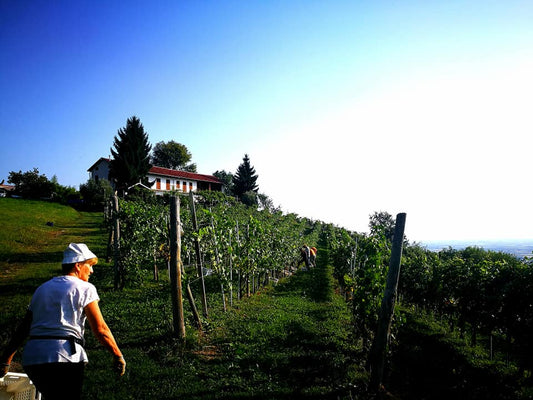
x=175 y=268
x=108 y=217
x=217 y=259
x=379 y=346
x=198 y=255
x=118 y=281
x=230 y=273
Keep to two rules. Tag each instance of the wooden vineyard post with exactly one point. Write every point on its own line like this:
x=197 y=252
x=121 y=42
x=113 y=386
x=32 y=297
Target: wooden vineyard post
x=175 y=268
x=217 y=259
x=379 y=346
x=190 y=296
x=108 y=216
x=193 y=307
x=198 y=255
x=230 y=273
x=239 y=270
x=118 y=284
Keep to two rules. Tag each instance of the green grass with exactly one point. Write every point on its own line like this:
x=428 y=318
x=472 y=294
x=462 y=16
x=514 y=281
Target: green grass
x=27 y=243
x=287 y=343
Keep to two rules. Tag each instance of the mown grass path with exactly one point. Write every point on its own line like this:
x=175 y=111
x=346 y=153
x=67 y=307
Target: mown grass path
x=283 y=343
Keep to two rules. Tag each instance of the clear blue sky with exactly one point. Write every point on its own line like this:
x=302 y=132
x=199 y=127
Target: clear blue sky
x=344 y=107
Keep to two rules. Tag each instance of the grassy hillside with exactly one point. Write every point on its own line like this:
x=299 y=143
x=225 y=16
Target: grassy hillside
x=35 y=233
x=31 y=250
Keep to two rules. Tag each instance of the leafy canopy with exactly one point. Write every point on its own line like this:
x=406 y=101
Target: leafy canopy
x=131 y=155
x=31 y=184
x=95 y=193
x=227 y=181
x=172 y=155
x=382 y=224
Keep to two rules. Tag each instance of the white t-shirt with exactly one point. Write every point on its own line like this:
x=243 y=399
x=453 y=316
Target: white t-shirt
x=58 y=310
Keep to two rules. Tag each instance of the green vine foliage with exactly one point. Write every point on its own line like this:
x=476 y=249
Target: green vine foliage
x=482 y=292
x=235 y=240
x=360 y=267
x=143 y=228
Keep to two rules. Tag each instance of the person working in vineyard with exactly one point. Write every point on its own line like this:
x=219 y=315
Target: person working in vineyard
x=312 y=256
x=305 y=256
x=54 y=357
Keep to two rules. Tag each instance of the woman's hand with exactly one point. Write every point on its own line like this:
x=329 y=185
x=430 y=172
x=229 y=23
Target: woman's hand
x=119 y=365
x=4 y=369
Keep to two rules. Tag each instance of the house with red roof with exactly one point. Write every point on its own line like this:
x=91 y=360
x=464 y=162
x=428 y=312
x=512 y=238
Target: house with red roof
x=164 y=179
x=6 y=189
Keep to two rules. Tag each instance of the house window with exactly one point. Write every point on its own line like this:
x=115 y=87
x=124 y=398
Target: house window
x=158 y=184
x=168 y=184
x=185 y=186
x=190 y=186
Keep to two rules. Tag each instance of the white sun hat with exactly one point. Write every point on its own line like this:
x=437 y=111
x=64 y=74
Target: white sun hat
x=77 y=252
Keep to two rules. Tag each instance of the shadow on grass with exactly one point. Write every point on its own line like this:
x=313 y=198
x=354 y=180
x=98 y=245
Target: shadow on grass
x=24 y=287
x=33 y=257
x=429 y=365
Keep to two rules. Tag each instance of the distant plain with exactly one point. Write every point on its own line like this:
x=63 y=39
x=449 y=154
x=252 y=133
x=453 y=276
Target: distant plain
x=519 y=247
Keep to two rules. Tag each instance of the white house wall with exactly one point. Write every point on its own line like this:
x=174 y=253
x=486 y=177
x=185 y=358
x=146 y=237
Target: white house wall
x=175 y=184
x=101 y=171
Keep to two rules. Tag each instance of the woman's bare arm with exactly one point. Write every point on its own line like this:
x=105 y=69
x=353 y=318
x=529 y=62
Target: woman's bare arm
x=100 y=328
x=104 y=335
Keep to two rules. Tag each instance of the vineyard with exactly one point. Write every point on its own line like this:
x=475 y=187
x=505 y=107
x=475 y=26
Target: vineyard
x=269 y=328
x=484 y=297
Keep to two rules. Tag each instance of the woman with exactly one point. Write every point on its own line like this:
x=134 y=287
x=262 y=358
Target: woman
x=54 y=357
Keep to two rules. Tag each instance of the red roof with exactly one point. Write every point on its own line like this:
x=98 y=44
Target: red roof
x=183 y=174
x=172 y=172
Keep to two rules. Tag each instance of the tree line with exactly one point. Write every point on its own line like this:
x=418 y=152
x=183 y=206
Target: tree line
x=132 y=158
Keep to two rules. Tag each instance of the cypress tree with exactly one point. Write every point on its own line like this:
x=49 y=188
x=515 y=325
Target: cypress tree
x=245 y=179
x=131 y=155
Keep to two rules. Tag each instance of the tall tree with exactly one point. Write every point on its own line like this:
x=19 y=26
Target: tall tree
x=172 y=155
x=131 y=155
x=245 y=179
